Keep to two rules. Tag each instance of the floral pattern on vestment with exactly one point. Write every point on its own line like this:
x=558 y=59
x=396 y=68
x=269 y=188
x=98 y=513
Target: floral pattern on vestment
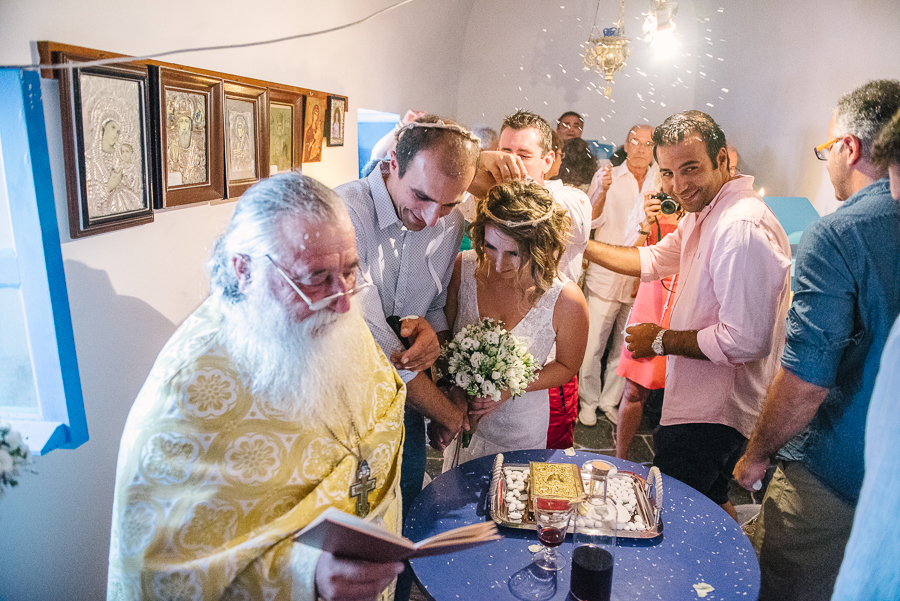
x=212 y=485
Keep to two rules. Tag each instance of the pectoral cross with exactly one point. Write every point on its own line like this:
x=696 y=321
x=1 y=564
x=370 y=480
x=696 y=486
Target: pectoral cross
x=362 y=487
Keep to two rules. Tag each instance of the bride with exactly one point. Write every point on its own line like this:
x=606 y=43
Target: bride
x=512 y=276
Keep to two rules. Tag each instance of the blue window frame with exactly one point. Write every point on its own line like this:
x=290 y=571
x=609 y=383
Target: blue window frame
x=40 y=389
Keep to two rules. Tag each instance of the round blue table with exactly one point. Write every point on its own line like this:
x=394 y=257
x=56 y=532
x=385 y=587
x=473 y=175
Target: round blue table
x=700 y=544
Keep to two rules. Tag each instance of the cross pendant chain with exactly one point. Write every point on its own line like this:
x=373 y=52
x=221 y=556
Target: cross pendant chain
x=362 y=487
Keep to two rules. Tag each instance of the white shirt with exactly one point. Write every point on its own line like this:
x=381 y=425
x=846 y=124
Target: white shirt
x=410 y=270
x=617 y=225
x=578 y=206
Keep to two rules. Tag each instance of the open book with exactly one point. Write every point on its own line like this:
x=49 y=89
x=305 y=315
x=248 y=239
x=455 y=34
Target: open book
x=348 y=536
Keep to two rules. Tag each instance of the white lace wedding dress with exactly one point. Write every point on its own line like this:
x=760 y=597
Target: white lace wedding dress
x=520 y=423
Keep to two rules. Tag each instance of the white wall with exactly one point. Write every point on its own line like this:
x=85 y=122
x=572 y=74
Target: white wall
x=784 y=66
x=129 y=289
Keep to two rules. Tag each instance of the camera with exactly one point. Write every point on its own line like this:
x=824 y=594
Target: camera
x=667 y=204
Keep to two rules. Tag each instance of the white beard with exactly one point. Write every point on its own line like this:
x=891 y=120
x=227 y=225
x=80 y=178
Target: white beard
x=299 y=371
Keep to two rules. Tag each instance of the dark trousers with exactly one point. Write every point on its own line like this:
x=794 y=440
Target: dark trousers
x=412 y=474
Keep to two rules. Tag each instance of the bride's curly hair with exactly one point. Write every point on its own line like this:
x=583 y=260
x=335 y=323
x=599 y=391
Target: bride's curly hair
x=525 y=212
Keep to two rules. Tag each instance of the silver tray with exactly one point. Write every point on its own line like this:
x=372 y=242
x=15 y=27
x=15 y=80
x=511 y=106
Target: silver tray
x=648 y=494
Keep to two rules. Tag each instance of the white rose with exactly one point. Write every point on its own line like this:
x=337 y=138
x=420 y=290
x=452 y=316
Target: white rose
x=6 y=462
x=476 y=359
x=463 y=380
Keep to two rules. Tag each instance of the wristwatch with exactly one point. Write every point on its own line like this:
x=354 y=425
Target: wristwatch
x=657 y=345
x=641 y=231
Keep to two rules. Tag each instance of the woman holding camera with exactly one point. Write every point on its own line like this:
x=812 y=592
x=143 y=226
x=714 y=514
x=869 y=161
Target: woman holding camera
x=653 y=304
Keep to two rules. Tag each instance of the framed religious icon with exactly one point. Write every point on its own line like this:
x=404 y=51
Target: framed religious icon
x=246 y=136
x=313 y=127
x=285 y=130
x=188 y=113
x=337 y=109
x=105 y=122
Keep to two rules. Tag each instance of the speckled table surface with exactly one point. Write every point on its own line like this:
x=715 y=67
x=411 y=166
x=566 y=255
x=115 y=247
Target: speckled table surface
x=700 y=544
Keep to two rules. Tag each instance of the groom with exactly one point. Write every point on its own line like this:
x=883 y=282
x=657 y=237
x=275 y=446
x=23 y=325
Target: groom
x=408 y=234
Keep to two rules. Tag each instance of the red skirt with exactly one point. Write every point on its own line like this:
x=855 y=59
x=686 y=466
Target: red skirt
x=563 y=414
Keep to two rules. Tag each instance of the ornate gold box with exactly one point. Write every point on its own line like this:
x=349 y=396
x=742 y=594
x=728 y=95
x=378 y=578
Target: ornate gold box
x=556 y=480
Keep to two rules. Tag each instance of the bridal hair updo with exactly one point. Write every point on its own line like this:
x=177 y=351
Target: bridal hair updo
x=525 y=212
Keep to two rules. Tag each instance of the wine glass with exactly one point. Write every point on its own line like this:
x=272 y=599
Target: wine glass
x=552 y=517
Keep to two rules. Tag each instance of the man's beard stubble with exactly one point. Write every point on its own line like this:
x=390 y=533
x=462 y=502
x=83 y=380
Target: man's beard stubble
x=301 y=370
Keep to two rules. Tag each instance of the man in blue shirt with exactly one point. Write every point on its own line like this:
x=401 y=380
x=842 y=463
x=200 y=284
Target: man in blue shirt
x=847 y=296
x=863 y=573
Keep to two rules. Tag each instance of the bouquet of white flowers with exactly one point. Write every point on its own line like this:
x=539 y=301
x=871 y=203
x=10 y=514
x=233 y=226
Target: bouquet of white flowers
x=14 y=456
x=484 y=359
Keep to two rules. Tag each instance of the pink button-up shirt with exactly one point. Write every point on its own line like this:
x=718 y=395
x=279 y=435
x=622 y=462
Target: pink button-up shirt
x=734 y=262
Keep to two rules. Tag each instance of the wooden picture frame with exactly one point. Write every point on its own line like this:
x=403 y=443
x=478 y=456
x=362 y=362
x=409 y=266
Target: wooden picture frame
x=285 y=130
x=246 y=128
x=188 y=110
x=335 y=120
x=106 y=120
x=313 y=126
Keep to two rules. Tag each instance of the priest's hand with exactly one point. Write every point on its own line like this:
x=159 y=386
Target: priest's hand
x=424 y=345
x=638 y=339
x=496 y=167
x=340 y=579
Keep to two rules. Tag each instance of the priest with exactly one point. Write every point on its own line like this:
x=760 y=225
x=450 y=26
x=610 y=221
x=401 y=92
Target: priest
x=271 y=403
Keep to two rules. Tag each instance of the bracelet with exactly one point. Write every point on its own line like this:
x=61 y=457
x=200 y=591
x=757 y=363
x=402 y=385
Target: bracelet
x=641 y=231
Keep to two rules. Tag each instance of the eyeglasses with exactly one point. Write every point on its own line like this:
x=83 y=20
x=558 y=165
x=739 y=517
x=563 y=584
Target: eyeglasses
x=824 y=150
x=322 y=302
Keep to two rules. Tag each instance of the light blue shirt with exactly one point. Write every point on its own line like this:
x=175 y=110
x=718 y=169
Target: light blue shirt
x=847 y=297
x=410 y=270
x=870 y=569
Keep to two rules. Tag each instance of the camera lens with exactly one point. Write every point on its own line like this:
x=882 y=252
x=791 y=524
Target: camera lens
x=668 y=206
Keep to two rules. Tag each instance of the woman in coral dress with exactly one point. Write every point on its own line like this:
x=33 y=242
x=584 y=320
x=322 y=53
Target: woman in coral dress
x=652 y=304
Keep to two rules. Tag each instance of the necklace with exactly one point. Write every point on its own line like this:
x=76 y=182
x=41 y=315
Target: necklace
x=363 y=484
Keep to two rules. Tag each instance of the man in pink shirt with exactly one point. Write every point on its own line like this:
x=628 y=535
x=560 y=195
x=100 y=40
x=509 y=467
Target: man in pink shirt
x=727 y=325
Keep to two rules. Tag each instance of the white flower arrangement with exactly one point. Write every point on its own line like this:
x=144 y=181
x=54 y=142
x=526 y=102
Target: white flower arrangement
x=484 y=359
x=14 y=456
